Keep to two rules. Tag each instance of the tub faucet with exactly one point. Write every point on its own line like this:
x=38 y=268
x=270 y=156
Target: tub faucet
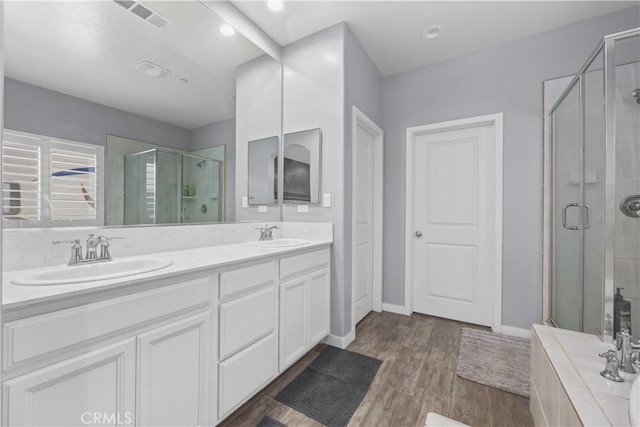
x=610 y=371
x=626 y=351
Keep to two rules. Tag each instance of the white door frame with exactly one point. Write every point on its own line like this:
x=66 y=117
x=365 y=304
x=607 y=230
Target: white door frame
x=359 y=118
x=495 y=120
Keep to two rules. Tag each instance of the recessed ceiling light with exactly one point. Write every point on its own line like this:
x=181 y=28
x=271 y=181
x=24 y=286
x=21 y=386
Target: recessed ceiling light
x=432 y=32
x=227 y=30
x=275 y=5
x=152 y=70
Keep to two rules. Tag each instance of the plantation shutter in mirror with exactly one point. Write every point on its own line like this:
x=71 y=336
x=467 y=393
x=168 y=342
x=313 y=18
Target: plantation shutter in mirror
x=21 y=184
x=73 y=183
x=48 y=182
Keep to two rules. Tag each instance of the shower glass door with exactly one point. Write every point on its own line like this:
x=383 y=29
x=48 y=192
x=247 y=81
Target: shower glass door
x=593 y=178
x=567 y=239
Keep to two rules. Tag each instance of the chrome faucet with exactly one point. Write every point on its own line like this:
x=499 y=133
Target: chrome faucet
x=92 y=249
x=611 y=369
x=92 y=245
x=627 y=352
x=266 y=232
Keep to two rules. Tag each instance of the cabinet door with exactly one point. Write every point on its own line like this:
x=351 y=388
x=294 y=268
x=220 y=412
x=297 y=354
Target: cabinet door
x=246 y=372
x=318 y=307
x=96 y=388
x=174 y=373
x=293 y=338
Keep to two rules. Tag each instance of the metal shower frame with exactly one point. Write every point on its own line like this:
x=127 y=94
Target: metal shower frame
x=607 y=47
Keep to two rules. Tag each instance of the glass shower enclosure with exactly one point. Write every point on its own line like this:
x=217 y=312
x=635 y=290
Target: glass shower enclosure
x=166 y=188
x=595 y=162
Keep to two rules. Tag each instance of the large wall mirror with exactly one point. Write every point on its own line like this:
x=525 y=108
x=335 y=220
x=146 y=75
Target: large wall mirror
x=302 y=166
x=263 y=166
x=150 y=88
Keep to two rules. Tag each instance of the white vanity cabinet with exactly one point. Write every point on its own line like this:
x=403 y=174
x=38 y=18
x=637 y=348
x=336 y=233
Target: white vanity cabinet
x=94 y=388
x=248 y=329
x=304 y=304
x=186 y=350
x=143 y=358
x=173 y=376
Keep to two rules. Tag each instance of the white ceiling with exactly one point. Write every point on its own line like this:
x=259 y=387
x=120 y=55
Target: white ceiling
x=89 y=49
x=390 y=31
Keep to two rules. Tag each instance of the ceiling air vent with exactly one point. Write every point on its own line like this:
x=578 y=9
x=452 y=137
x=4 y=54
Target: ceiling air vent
x=149 y=15
x=141 y=11
x=158 y=21
x=125 y=3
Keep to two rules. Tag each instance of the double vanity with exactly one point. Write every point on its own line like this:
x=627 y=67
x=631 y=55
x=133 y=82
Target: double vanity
x=185 y=343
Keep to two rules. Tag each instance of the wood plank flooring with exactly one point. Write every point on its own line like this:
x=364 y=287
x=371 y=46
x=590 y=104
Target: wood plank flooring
x=417 y=376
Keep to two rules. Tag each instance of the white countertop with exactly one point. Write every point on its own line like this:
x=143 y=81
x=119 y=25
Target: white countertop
x=574 y=356
x=184 y=261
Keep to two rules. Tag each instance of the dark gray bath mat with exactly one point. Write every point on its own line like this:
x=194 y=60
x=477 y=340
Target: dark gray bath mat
x=498 y=361
x=267 y=421
x=330 y=389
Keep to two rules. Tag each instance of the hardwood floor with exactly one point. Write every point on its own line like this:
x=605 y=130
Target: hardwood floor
x=417 y=376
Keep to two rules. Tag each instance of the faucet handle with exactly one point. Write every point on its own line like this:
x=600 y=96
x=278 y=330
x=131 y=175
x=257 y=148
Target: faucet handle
x=108 y=239
x=74 y=241
x=610 y=371
x=609 y=355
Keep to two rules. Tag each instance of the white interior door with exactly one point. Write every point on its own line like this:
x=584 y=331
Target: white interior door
x=364 y=225
x=454 y=220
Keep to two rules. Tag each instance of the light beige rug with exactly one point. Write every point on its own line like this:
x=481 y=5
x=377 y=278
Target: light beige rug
x=495 y=360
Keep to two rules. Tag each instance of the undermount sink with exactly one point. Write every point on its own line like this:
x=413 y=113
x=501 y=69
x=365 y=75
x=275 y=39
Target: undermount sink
x=63 y=275
x=634 y=403
x=280 y=243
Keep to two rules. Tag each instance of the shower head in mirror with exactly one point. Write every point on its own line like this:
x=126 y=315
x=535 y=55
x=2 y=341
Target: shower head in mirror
x=636 y=95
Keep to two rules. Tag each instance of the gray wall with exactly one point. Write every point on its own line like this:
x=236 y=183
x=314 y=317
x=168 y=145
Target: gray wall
x=313 y=97
x=331 y=68
x=258 y=116
x=507 y=78
x=215 y=134
x=41 y=111
x=363 y=89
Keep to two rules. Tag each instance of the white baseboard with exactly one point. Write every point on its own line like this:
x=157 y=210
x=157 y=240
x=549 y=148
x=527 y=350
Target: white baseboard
x=340 y=342
x=393 y=308
x=515 y=332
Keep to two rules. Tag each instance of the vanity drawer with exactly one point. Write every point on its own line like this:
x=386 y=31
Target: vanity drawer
x=247 y=319
x=298 y=265
x=29 y=338
x=245 y=373
x=236 y=282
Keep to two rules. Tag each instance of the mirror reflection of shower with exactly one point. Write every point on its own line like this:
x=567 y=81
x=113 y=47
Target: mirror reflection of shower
x=164 y=188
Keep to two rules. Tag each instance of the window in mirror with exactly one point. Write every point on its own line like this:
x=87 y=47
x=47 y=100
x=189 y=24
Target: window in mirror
x=301 y=176
x=263 y=178
x=50 y=182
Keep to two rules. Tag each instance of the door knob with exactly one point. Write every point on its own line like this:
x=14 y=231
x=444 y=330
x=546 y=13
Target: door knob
x=418 y=233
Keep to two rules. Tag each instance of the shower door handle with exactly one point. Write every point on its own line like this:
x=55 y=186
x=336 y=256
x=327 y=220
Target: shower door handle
x=587 y=217
x=564 y=216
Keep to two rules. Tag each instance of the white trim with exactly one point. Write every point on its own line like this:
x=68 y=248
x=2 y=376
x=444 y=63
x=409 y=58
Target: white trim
x=495 y=120
x=340 y=342
x=359 y=118
x=512 y=331
x=394 y=308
